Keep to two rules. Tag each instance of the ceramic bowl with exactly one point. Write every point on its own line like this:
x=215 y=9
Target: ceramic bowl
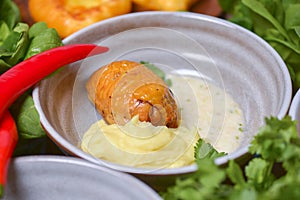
x=61 y=177
x=230 y=56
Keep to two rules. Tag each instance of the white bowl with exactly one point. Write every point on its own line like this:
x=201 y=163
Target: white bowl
x=61 y=177
x=232 y=57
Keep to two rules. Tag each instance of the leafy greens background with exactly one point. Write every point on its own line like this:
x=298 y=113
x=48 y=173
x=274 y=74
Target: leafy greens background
x=276 y=21
x=18 y=42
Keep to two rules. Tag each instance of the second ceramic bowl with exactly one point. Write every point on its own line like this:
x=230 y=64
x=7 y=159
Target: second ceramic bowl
x=61 y=177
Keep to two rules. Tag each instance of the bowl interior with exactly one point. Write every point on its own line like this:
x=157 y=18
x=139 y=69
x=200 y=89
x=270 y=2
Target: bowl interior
x=220 y=52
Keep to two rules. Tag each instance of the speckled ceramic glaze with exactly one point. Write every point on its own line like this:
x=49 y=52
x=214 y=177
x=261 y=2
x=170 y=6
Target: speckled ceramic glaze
x=229 y=56
x=67 y=178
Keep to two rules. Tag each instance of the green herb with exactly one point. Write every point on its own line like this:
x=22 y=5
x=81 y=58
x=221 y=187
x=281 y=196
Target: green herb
x=205 y=181
x=205 y=150
x=9 y=13
x=42 y=38
x=157 y=71
x=16 y=44
x=277 y=145
x=27 y=117
x=276 y=21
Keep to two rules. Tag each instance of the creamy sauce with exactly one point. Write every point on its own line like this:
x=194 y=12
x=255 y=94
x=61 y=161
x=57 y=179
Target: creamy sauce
x=205 y=110
x=216 y=116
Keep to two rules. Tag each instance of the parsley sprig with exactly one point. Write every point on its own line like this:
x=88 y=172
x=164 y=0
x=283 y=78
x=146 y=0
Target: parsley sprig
x=276 y=146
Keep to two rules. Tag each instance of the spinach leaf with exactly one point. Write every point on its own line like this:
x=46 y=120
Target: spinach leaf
x=27 y=117
x=9 y=13
x=19 y=45
x=42 y=38
x=13 y=37
x=37 y=29
x=4 y=31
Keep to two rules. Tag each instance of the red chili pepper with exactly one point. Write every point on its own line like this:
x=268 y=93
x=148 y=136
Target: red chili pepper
x=8 y=141
x=24 y=75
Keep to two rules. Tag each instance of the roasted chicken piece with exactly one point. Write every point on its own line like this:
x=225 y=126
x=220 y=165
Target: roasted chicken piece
x=124 y=89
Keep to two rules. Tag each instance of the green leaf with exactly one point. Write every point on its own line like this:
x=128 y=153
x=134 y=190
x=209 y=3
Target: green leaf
x=292 y=16
x=240 y=16
x=9 y=13
x=21 y=45
x=277 y=141
x=209 y=173
x=1 y=190
x=37 y=29
x=289 y=47
x=8 y=46
x=160 y=73
x=292 y=23
x=235 y=173
x=4 y=32
x=272 y=139
x=291 y=156
x=296 y=80
x=205 y=150
x=285 y=187
x=246 y=193
x=259 y=8
x=228 y=5
x=277 y=22
x=205 y=183
x=27 y=118
x=3 y=66
x=258 y=173
x=297 y=31
x=42 y=40
x=14 y=47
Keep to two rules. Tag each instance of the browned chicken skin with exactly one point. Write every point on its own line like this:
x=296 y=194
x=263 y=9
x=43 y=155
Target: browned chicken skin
x=124 y=89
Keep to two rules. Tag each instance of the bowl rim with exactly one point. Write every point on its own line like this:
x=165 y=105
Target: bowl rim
x=186 y=169
x=127 y=178
x=294 y=108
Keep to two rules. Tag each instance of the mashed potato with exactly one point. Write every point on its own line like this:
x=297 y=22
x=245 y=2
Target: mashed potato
x=206 y=111
x=141 y=144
